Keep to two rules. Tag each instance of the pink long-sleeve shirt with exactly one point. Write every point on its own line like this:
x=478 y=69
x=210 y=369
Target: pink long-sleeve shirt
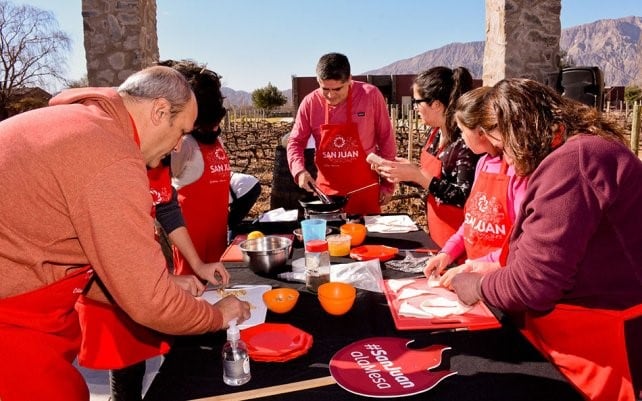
x=455 y=247
x=369 y=111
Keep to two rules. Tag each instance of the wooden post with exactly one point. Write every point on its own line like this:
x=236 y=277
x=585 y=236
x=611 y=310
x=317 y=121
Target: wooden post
x=411 y=131
x=393 y=118
x=272 y=390
x=635 y=128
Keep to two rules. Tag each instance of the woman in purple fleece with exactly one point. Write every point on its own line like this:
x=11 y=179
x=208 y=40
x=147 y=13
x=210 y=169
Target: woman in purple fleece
x=574 y=269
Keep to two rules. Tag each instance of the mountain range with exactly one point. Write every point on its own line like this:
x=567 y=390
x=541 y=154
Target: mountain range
x=614 y=45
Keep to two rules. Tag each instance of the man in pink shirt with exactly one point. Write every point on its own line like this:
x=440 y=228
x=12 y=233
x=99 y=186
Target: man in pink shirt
x=348 y=120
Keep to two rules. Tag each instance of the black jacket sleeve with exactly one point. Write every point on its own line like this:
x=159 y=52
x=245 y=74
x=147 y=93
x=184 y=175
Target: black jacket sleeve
x=169 y=214
x=457 y=174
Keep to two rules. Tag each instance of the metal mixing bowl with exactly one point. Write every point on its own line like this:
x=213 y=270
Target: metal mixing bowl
x=266 y=255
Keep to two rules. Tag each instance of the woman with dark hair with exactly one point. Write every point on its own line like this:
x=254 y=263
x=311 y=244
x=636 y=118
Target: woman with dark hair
x=201 y=170
x=573 y=275
x=447 y=165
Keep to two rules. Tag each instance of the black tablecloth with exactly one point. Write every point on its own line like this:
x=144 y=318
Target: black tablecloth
x=494 y=364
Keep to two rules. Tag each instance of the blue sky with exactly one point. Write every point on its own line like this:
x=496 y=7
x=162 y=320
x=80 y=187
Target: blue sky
x=255 y=42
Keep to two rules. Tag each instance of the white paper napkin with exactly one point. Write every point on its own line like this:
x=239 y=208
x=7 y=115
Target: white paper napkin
x=439 y=302
x=406 y=293
x=250 y=293
x=426 y=310
x=396 y=284
x=399 y=223
x=279 y=214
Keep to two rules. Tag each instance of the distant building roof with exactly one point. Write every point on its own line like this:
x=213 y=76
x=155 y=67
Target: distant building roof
x=36 y=92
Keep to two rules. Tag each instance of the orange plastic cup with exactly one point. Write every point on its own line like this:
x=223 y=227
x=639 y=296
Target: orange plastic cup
x=356 y=231
x=337 y=298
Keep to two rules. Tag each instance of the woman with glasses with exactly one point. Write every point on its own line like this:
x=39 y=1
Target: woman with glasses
x=573 y=276
x=494 y=200
x=447 y=165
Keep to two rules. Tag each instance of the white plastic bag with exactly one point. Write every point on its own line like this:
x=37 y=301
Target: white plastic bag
x=365 y=275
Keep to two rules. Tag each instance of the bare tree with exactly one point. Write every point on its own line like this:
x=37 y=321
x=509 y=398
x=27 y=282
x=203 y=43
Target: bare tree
x=32 y=50
x=81 y=82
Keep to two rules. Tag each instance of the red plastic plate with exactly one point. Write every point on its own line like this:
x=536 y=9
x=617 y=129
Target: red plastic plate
x=368 y=252
x=276 y=341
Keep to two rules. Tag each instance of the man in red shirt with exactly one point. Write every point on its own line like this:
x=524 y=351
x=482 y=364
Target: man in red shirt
x=76 y=219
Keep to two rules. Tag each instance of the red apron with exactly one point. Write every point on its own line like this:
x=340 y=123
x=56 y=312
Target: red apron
x=110 y=338
x=39 y=339
x=204 y=204
x=587 y=345
x=443 y=219
x=160 y=185
x=487 y=222
x=342 y=166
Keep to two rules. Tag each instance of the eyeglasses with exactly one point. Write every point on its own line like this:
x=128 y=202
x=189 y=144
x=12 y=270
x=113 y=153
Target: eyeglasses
x=415 y=102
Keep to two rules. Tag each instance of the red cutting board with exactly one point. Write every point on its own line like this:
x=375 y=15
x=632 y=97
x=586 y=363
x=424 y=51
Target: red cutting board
x=233 y=252
x=478 y=318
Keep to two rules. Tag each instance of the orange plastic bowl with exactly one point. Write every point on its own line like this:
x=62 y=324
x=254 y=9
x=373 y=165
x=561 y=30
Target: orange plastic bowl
x=356 y=231
x=337 y=298
x=281 y=300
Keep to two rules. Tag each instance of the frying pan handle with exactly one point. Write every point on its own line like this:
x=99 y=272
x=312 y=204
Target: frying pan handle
x=362 y=188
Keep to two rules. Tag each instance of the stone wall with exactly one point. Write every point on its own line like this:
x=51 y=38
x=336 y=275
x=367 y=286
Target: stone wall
x=522 y=39
x=120 y=39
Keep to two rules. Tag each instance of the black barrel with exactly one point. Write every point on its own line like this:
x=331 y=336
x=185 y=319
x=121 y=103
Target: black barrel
x=285 y=193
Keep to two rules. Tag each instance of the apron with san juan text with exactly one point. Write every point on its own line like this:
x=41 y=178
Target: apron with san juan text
x=39 y=339
x=110 y=338
x=204 y=204
x=342 y=166
x=443 y=220
x=590 y=346
x=487 y=222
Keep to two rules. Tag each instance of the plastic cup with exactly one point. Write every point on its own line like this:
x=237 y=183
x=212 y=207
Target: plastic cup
x=339 y=244
x=313 y=229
